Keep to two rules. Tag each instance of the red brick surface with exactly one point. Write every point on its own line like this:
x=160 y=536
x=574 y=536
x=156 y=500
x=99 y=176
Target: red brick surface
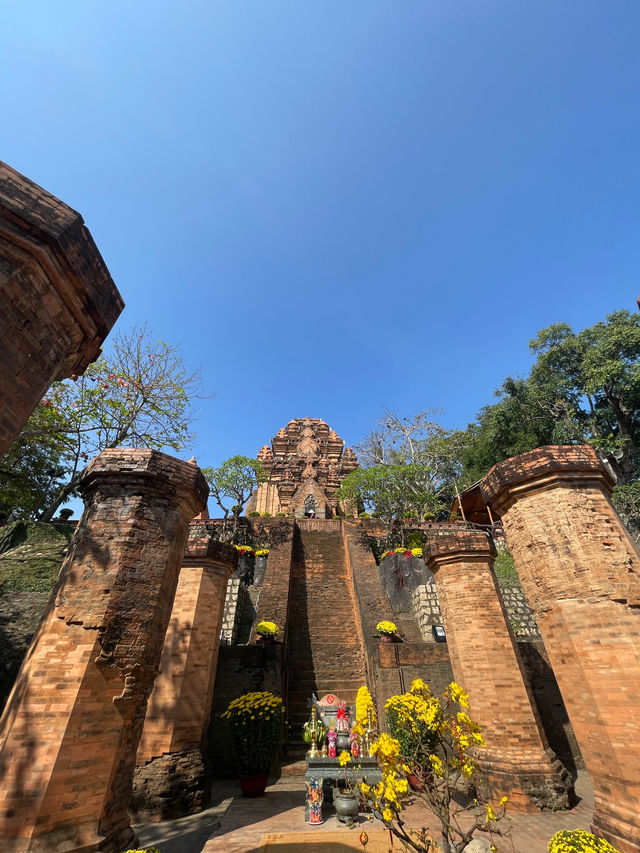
x=179 y=707
x=324 y=649
x=580 y=569
x=57 y=299
x=485 y=660
x=70 y=731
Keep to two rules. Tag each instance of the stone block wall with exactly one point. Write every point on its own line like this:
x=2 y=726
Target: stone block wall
x=427 y=609
x=239 y=614
x=519 y=614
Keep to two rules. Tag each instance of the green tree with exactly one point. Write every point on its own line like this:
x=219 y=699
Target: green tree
x=626 y=500
x=32 y=472
x=391 y=491
x=583 y=387
x=593 y=378
x=429 y=454
x=140 y=394
x=233 y=482
x=521 y=420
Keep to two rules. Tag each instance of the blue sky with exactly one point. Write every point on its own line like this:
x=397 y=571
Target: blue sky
x=339 y=206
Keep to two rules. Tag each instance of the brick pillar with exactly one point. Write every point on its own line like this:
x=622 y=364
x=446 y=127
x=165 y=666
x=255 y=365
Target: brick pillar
x=57 y=299
x=170 y=779
x=517 y=761
x=580 y=571
x=70 y=731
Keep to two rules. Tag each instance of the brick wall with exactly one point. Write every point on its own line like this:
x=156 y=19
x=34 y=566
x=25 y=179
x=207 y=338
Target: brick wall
x=580 y=571
x=70 y=731
x=516 y=761
x=57 y=299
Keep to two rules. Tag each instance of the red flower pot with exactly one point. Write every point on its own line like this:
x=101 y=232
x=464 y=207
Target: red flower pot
x=254 y=784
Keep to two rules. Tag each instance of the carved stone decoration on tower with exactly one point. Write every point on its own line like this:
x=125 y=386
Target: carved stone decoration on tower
x=307 y=462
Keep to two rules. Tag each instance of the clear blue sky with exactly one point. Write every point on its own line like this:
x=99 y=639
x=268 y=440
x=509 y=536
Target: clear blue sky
x=339 y=206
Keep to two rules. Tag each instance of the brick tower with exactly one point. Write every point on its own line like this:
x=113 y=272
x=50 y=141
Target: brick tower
x=306 y=462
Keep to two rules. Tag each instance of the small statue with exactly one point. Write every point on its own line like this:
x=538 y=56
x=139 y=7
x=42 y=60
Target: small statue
x=353 y=745
x=332 y=737
x=342 y=724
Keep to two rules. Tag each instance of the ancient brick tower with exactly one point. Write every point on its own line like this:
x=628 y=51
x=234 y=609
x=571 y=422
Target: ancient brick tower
x=306 y=462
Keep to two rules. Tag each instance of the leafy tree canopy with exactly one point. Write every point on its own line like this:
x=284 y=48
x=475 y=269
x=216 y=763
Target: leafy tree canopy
x=233 y=482
x=33 y=471
x=139 y=394
x=392 y=491
x=583 y=387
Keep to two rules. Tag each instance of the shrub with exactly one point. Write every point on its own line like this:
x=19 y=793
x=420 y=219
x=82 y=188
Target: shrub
x=505 y=568
x=256 y=725
x=578 y=841
x=280 y=515
x=253 y=514
x=441 y=772
x=406 y=716
x=364 y=515
x=266 y=515
x=415 y=539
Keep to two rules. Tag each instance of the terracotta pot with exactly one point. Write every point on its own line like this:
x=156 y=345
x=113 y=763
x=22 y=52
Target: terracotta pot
x=386 y=638
x=268 y=641
x=253 y=784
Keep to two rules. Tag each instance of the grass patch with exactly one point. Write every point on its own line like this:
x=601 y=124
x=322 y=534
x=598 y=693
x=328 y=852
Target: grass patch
x=505 y=569
x=31 y=554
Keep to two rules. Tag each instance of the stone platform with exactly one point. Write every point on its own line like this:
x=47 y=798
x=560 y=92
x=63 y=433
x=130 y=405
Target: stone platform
x=275 y=824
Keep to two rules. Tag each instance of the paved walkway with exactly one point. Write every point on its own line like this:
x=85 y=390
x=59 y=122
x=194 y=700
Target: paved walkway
x=275 y=824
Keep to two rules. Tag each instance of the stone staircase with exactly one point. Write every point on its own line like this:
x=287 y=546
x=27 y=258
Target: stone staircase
x=324 y=654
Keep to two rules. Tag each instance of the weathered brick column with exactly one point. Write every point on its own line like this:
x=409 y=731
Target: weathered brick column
x=517 y=761
x=580 y=572
x=57 y=299
x=170 y=779
x=70 y=731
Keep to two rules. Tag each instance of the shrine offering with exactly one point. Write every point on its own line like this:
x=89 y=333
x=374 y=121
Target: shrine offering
x=332 y=738
x=314 y=801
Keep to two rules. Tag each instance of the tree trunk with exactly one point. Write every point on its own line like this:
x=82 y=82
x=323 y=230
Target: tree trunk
x=61 y=497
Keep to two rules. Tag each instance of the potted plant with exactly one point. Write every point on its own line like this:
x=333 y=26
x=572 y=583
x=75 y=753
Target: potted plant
x=267 y=631
x=346 y=800
x=387 y=630
x=578 y=841
x=256 y=725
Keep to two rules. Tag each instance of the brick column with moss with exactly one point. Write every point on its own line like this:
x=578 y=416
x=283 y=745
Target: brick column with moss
x=517 y=761
x=170 y=779
x=580 y=571
x=70 y=731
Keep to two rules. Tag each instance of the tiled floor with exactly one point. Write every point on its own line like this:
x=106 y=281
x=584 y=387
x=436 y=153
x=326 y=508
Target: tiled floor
x=275 y=824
